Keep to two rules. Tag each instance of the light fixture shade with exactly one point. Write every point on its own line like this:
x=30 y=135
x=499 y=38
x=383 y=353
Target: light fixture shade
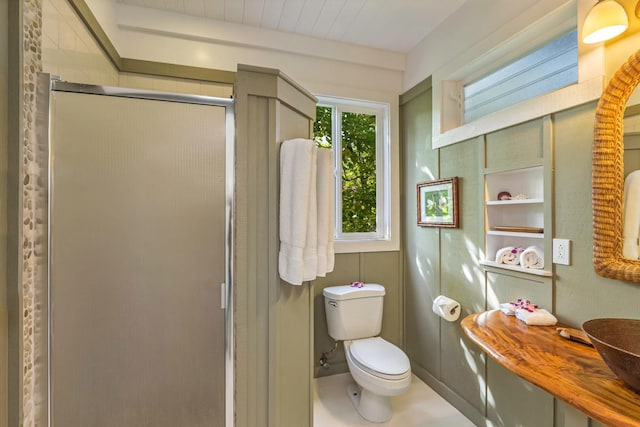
x=605 y=20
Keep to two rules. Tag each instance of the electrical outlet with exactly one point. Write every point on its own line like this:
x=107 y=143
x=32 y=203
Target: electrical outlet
x=561 y=251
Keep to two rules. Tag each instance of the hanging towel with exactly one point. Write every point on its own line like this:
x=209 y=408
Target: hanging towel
x=298 y=215
x=509 y=255
x=310 y=251
x=631 y=216
x=532 y=257
x=325 y=193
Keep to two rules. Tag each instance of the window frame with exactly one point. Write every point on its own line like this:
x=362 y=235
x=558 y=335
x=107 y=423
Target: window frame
x=383 y=166
x=500 y=48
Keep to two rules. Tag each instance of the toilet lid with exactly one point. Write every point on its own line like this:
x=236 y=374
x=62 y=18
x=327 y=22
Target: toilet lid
x=378 y=356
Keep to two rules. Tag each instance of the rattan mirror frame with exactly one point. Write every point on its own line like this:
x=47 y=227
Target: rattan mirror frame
x=608 y=175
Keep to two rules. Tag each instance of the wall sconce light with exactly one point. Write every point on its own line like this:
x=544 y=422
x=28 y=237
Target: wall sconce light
x=605 y=20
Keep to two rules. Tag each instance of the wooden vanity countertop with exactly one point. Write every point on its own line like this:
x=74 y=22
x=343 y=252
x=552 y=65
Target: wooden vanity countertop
x=569 y=370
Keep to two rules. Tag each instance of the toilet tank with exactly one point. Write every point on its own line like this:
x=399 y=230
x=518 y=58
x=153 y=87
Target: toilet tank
x=353 y=313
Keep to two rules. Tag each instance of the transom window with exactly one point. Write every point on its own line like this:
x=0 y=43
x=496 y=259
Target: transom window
x=546 y=69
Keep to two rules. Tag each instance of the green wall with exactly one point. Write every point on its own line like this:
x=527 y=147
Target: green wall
x=273 y=323
x=446 y=261
x=4 y=331
x=580 y=294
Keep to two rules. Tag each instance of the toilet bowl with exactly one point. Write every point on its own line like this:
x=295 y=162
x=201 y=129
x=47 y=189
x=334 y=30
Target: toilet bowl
x=380 y=370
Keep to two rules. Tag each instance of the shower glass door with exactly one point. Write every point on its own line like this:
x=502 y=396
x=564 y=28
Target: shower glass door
x=137 y=257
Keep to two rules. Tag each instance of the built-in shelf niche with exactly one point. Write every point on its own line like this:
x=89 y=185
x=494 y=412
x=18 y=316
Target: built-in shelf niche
x=520 y=220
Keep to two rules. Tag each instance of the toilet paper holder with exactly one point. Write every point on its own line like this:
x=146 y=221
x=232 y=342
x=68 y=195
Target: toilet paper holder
x=446 y=308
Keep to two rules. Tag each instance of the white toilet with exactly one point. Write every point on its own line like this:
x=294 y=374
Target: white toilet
x=380 y=369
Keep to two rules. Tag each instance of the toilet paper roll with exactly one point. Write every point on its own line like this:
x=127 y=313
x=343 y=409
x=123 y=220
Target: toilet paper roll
x=446 y=308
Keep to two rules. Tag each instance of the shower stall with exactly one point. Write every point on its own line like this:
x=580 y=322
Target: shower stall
x=147 y=288
x=140 y=198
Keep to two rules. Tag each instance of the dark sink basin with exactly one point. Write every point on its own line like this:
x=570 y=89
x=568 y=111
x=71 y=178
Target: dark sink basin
x=618 y=342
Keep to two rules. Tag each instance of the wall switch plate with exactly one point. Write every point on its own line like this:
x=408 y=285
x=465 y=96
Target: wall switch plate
x=562 y=251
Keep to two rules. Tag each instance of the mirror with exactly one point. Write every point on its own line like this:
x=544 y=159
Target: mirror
x=631 y=188
x=631 y=192
x=608 y=176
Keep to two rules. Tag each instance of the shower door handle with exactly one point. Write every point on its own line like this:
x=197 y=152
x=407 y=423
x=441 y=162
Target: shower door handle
x=223 y=296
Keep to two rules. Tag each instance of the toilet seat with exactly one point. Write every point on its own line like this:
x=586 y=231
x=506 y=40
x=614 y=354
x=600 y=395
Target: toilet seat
x=380 y=358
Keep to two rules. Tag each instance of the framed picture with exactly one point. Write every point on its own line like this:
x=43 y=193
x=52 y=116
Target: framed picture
x=438 y=203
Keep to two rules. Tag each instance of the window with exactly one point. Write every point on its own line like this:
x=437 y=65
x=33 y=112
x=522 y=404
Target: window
x=449 y=124
x=357 y=132
x=548 y=68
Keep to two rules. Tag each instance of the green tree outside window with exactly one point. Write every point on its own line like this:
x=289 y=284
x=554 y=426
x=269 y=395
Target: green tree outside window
x=358 y=141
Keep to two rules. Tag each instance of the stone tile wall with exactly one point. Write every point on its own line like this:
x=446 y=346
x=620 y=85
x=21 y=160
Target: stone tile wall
x=32 y=218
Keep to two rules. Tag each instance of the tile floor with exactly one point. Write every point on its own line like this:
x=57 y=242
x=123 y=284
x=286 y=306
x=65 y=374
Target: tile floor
x=419 y=407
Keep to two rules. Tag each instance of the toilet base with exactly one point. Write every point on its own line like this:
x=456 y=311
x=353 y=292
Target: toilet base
x=371 y=407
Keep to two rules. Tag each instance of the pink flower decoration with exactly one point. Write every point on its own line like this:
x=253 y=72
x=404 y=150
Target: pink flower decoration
x=525 y=305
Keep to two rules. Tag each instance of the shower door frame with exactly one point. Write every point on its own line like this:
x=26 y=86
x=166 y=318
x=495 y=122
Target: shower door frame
x=45 y=85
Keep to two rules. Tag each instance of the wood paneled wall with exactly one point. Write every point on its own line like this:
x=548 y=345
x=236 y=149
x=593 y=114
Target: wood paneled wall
x=273 y=319
x=445 y=261
x=4 y=331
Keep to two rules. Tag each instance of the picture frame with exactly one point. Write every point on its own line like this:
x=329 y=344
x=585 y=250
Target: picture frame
x=437 y=203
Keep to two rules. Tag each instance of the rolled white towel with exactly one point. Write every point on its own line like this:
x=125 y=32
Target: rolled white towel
x=532 y=257
x=537 y=317
x=509 y=255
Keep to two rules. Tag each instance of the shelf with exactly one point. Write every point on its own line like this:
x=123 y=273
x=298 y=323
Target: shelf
x=515 y=234
x=514 y=202
x=515 y=222
x=573 y=372
x=526 y=181
x=533 y=271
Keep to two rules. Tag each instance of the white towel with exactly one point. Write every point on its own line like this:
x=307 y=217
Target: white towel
x=509 y=255
x=631 y=219
x=537 y=317
x=310 y=252
x=532 y=257
x=298 y=221
x=325 y=193
x=508 y=308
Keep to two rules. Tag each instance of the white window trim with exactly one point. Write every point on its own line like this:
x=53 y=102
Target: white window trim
x=385 y=237
x=552 y=102
x=448 y=81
